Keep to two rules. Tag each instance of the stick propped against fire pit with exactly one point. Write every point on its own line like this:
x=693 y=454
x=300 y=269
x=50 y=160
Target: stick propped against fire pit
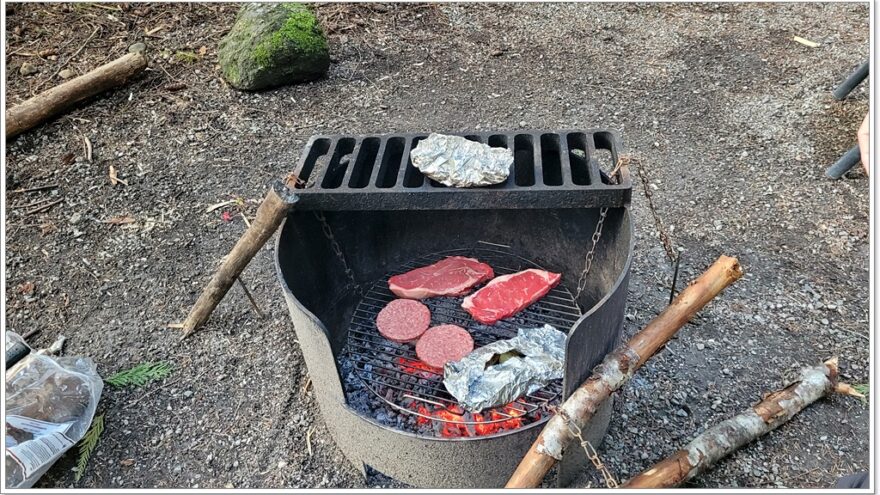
x=278 y=202
x=616 y=369
x=726 y=437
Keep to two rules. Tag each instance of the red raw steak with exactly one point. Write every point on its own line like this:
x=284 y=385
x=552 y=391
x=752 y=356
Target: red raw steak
x=509 y=294
x=452 y=276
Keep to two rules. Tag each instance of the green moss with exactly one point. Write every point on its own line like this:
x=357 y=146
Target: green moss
x=300 y=29
x=187 y=57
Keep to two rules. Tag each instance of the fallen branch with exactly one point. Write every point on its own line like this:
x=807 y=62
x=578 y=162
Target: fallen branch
x=616 y=369
x=278 y=202
x=725 y=438
x=56 y=100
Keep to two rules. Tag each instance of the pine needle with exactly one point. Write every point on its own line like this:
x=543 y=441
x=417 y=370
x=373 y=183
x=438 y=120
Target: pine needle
x=140 y=375
x=87 y=445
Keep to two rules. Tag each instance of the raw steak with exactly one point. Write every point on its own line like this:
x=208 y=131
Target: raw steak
x=403 y=320
x=452 y=276
x=509 y=294
x=444 y=343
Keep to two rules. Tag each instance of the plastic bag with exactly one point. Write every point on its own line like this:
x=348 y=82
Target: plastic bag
x=50 y=403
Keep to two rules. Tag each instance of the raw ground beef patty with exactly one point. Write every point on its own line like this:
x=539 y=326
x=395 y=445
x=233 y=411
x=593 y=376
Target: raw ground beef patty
x=444 y=343
x=403 y=320
x=452 y=276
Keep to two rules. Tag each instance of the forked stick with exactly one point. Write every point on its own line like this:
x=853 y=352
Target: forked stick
x=274 y=209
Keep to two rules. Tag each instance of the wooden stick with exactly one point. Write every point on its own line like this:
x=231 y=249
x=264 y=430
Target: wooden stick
x=56 y=100
x=278 y=202
x=725 y=438
x=616 y=369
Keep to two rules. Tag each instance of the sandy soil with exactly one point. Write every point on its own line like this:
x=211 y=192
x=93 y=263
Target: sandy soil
x=732 y=120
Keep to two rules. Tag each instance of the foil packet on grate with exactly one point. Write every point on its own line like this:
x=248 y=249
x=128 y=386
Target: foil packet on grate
x=458 y=162
x=525 y=364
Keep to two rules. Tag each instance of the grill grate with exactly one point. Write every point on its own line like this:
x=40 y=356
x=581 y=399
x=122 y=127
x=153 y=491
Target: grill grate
x=392 y=371
x=555 y=169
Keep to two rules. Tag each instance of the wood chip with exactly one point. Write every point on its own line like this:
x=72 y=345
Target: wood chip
x=309 y=439
x=88 y=148
x=126 y=462
x=114 y=177
x=805 y=42
x=121 y=220
x=174 y=86
x=150 y=32
x=43 y=208
x=32 y=189
x=175 y=325
x=219 y=205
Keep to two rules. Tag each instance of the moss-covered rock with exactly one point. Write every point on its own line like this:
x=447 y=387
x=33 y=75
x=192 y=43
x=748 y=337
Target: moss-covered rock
x=272 y=45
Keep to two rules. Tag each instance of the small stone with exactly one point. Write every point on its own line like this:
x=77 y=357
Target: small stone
x=187 y=393
x=681 y=413
x=75 y=218
x=66 y=74
x=523 y=123
x=27 y=69
x=824 y=321
x=701 y=346
x=282 y=464
x=823 y=438
x=137 y=48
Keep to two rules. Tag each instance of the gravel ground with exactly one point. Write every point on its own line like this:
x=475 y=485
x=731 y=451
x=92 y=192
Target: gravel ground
x=732 y=121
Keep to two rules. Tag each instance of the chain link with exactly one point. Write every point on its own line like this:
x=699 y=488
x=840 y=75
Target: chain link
x=588 y=259
x=592 y=455
x=334 y=245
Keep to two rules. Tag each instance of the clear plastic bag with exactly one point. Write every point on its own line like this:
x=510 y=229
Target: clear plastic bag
x=50 y=403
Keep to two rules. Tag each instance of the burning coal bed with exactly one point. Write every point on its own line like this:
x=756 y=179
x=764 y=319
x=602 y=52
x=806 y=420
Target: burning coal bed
x=385 y=380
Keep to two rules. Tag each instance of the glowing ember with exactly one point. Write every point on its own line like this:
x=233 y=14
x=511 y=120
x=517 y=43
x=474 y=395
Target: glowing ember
x=413 y=366
x=450 y=423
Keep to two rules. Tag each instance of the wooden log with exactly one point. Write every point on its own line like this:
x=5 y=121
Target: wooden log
x=55 y=101
x=273 y=210
x=725 y=438
x=616 y=369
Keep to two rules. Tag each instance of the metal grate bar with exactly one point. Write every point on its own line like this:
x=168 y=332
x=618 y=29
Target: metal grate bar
x=377 y=361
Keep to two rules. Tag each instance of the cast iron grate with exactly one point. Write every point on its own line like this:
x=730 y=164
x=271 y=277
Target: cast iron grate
x=551 y=169
x=393 y=372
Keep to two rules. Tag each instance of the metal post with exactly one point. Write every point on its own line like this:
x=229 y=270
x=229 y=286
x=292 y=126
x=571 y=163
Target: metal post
x=846 y=162
x=851 y=82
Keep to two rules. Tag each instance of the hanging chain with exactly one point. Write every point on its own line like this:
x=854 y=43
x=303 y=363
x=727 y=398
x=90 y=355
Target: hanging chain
x=334 y=245
x=588 y=259
x=592 y=455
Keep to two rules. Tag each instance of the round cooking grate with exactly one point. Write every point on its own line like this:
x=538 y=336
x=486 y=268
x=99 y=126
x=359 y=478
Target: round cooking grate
x=394 y=373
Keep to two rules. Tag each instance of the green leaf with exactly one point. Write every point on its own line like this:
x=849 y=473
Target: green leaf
x=864 y=389
x=140 y=375
x=87 y=445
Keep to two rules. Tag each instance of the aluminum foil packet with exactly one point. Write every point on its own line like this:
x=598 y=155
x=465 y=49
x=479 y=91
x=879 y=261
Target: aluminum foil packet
x=457 y=162
x=532 y=359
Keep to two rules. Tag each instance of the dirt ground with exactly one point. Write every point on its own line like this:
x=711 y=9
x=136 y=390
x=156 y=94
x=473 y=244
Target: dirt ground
x=733 y=123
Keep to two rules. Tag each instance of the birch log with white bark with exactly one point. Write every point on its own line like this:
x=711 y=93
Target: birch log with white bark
x=616 y=369
x=723 y=439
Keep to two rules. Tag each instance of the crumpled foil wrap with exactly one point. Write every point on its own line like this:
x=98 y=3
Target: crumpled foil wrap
x=457 y=162
x=477 y=387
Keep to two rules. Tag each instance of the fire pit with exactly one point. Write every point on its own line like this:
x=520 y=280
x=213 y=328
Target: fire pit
x=365 y=213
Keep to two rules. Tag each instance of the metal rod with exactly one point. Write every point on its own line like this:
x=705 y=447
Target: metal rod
x=849 y=160
x=851 y=82
x=674 y=278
